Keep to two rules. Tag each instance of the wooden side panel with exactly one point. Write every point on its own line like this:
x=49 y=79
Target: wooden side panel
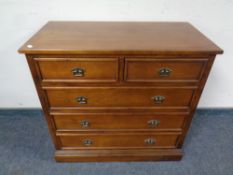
x=43 y=100
x=195 y=100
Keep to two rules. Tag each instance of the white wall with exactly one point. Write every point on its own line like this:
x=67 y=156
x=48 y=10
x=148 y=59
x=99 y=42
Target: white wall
x=21 y=19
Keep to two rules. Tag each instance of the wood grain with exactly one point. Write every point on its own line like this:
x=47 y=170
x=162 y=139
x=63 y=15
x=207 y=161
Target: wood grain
x=95 y=69
x=119 y=38
x=111 y=140
x=147 y=70
x=119 y=97
x=103 y=121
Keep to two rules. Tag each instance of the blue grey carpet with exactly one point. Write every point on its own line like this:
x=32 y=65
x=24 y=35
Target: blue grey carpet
x=26 y=149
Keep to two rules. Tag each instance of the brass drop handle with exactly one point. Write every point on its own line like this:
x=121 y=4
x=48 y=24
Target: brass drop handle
x=153 y=123
x=85 y=123
x=164 y=72
x=149 y=141
x=158 y=99
x=87 y=142
x=81 y=100
x=78 y=72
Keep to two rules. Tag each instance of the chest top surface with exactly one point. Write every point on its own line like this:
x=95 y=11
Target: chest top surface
x=119 y=38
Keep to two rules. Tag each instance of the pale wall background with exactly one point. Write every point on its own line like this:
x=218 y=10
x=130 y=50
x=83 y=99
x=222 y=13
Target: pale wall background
x=20 y=19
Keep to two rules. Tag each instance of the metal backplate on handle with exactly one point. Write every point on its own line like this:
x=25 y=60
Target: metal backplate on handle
x=149 y=141
x=81 y=100
x=85 y=123
x=164 y=72
x=158 y=99
x=87 y=142
x=78 y=72
x=153 y=123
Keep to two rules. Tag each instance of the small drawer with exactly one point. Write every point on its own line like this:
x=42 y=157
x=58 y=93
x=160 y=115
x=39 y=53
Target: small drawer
x=78 y=69
x=118 y=121
x=118 y=140
x=145 y=97
x=164 y=70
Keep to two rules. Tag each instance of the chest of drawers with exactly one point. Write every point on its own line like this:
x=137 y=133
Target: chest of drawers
x=119 y=91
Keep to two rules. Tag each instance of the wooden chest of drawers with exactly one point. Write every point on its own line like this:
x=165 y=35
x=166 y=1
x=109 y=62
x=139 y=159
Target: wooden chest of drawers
x=119 y=91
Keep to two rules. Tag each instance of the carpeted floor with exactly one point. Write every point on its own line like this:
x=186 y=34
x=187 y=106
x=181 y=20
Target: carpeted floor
x=26 y=149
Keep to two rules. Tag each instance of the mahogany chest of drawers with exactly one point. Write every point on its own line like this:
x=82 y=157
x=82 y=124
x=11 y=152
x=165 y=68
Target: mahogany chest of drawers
x=119 y=91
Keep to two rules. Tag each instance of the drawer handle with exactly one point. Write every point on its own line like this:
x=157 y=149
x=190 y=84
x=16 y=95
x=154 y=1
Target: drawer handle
x=164 y=72
x=81 y=100
x=149 y=141
x=153 y=123
x=87 y=142
x=158 y=99
x=84 y=123
x=78 y=72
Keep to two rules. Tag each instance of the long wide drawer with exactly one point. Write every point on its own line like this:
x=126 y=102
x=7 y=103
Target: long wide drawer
x=78 y=69
x=119 y=97
x=117 y=140
x=118 y=121
x=160 y=70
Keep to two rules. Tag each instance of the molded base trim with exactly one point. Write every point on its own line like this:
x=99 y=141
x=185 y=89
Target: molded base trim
x=118 y=155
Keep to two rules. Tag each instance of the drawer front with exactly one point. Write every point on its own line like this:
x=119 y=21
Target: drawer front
x=119 y=97
x=152 y=140
x=116 y=121
x=155 y=70
x=78 y=69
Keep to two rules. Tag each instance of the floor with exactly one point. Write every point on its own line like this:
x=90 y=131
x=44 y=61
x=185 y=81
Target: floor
x=26 y=149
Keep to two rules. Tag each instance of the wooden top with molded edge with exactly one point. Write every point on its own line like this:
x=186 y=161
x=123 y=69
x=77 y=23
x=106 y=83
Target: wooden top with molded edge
x=166 y=38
